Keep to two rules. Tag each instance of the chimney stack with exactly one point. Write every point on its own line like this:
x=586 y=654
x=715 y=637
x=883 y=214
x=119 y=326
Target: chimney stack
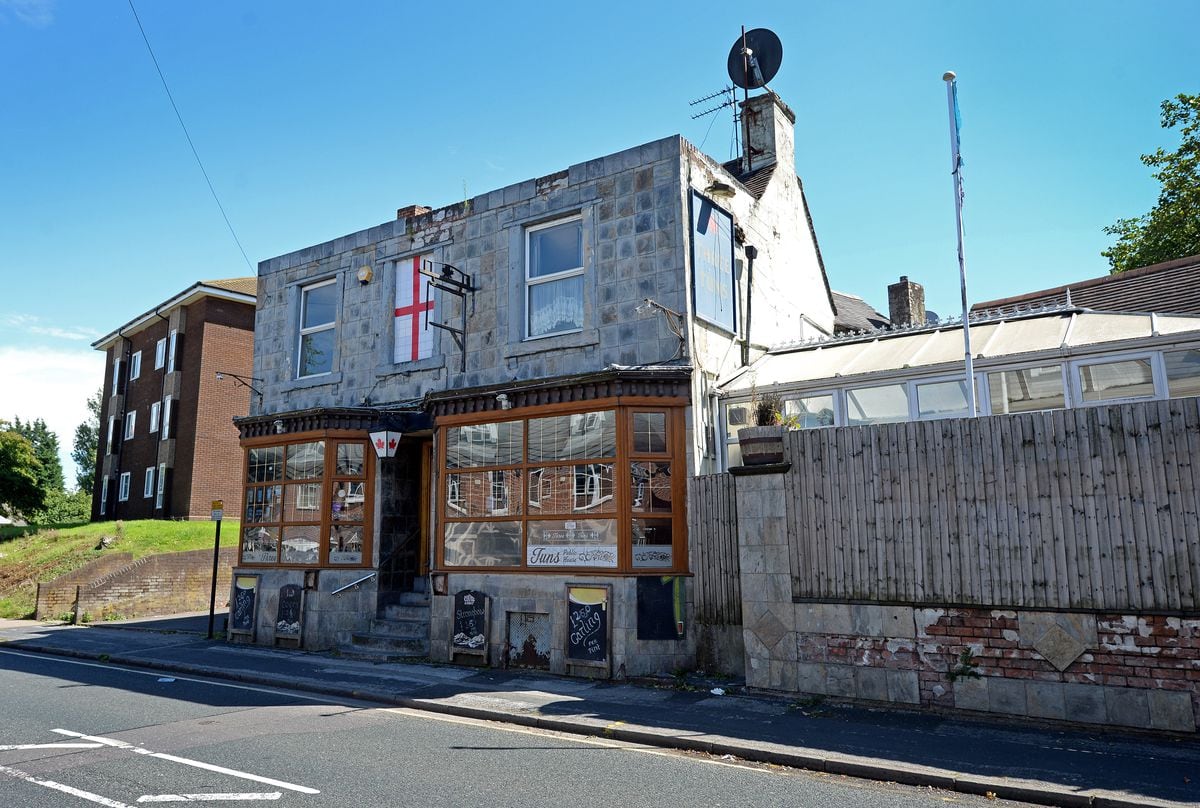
x=768 y=133
x=410 y=211
x=906 y=302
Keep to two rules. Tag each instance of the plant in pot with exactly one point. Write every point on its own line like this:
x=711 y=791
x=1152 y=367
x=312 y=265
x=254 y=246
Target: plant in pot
x=763 y=443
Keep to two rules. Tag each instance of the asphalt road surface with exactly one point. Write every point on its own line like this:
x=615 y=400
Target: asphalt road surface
x=81 y=734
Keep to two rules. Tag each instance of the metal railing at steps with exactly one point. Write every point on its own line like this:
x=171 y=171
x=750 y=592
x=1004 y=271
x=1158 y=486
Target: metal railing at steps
x=353 y=584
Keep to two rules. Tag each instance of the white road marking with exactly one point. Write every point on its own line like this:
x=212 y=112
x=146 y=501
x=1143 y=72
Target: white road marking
x=75 y=792
x=270 y=795
x=188 y=762
x=12 y=746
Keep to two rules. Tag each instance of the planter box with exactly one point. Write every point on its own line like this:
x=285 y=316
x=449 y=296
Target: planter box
x=761 y=445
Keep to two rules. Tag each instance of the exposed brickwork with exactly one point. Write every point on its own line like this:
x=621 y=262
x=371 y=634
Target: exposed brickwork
x=58 y=596
x=160 y=584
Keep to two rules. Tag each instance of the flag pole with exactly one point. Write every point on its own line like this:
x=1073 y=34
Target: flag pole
x=956 y=173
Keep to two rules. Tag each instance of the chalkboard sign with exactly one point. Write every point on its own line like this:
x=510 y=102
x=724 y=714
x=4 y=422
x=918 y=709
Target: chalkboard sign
x=244 y=606
x=587 y=625
x=288 y=615
x=660 y=604
x=470 y=622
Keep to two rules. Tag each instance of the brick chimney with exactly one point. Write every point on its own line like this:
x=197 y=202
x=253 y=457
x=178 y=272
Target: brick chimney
x=906 y=302
x=768 y=132
x=409 y=211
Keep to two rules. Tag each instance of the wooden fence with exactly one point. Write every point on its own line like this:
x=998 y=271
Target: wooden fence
x=1093 y=508
x=712 y=528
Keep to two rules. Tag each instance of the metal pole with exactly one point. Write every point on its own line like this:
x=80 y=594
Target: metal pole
x=956 y=174
x=212 y=597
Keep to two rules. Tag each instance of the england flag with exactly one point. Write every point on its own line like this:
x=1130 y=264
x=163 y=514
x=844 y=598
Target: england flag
x=413 y=340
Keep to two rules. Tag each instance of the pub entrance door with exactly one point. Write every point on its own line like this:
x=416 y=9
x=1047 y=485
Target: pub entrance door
x=404 y=529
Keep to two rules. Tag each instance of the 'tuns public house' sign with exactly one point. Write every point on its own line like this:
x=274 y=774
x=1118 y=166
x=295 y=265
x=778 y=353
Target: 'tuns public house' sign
x=712 y=263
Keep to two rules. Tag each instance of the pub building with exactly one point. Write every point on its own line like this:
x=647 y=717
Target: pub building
x=477 y=423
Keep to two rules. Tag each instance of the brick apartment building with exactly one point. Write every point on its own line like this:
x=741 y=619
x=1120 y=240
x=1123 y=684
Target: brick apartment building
x=168 y=446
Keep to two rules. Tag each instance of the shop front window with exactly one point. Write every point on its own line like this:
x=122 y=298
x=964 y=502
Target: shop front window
x=566 y=490
x=306 y=504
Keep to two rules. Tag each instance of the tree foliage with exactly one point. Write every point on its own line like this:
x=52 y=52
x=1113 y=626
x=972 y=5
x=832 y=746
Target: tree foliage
x=45 y=449
x=61 y=508
x=1172 y=227
x=20 y=471
x=83 y=449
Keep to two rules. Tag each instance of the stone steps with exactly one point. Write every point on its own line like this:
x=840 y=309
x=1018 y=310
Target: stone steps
x=401 y=633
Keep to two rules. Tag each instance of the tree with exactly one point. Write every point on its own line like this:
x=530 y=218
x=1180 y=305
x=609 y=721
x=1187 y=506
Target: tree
x=20 y=489
x=1172 y=227
x=45 y=449
x=83 y=450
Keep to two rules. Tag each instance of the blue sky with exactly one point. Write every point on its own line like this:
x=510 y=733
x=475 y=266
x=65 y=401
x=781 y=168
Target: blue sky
x=319 y=119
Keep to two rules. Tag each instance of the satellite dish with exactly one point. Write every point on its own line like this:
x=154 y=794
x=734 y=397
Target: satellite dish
x=760 y=63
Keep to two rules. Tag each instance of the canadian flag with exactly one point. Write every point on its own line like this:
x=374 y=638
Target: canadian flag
x=413 y=342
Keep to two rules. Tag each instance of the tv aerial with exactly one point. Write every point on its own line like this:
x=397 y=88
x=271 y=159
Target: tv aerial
x=753 y=61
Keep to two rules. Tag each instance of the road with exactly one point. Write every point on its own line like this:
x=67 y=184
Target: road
x=78 y=734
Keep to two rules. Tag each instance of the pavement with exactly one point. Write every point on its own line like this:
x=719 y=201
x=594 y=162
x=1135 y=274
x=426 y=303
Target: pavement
x=1026 y=761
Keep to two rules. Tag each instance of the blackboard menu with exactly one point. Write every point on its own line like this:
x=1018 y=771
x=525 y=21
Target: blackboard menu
x=587 y=624
x=470 y=621
x=287 y=617
x=660 y=603
x=242 y=609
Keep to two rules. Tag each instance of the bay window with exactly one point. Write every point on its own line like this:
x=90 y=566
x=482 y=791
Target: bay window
x=594 y=489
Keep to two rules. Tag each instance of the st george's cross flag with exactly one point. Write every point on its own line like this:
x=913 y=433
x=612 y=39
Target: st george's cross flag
x=413 y=340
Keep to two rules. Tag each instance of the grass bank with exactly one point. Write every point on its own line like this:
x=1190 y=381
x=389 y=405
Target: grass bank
x=32 y=555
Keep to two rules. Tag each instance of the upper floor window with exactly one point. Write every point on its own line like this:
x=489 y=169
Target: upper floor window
x=318 y=311
x=135 y=365
x=160 y=353
x=130 y=422
x=554 y=278
x=155 y=410
x=123 y=491
x=148 y=483
x=116 y=388
x=172 y=346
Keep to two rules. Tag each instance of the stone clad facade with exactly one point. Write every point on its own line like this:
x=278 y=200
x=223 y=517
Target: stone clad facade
x=546 y=445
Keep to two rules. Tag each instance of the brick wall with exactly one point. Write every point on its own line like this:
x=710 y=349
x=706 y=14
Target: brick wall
x=160 y=584
x=58 y=596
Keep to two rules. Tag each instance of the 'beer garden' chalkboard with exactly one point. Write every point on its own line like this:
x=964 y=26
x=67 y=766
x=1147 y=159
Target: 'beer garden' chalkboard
x=587 y=625
x=242 y=611
x=288 y=616
x=470 y=622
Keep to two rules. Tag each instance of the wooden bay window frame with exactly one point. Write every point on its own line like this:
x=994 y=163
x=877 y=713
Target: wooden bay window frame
x=330 y=481
x=624 y=511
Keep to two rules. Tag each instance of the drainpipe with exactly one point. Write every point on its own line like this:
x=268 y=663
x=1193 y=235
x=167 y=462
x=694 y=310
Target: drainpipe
x=751 y=253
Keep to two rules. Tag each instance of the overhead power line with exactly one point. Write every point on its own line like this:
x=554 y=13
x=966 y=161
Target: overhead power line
x=187 y=135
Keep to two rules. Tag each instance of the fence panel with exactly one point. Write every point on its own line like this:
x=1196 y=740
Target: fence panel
x=712 y=528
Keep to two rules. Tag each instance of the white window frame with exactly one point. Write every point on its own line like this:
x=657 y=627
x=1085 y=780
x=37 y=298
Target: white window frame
x=1158 y=377
x=160 y=353
x=172 y=343
x=166 y=417
x=985 y=385
x=135 y=365
x=123 y=493
x=116 y=375
x=112 y=427
x=161 y=484
x=531 y=282
x=799 y=394
x=148 y=483
x=130 y=424
x=313 y=329
x=104 y=495
x=155 y=413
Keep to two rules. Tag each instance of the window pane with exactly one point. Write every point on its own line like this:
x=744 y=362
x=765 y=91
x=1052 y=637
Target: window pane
x=1130 y=378
x=306 y=461
x=301 y=544
x=942 y=399
x=349 y=460
x=484 y=445
x=302 y=503
x=260 y=545
x=573 y=437
x=264 y=465
x=652 y=543
x=1027 y=389
x=736 y=417
x=262 y=503
x=319 y=305
x=346 y=544
x=877 y=405
x=349 y=499
x=556 y=306
x=585 y=488
x=555 y=249
x=1183 y=373
x=484 y=493
x=483 y=544
x=573 y=543
x=316 y=353
x=810 y=412
x=650 y=432
x=650 y=485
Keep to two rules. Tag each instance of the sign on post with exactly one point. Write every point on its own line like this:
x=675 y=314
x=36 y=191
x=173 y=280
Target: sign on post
x=218 y=510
